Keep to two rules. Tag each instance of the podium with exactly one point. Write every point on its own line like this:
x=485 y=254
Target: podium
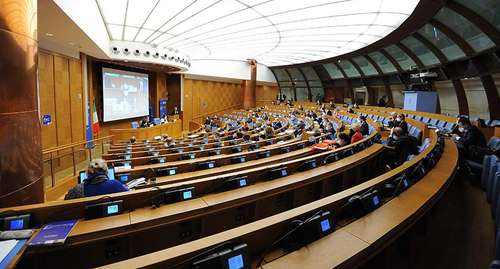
x=421 y=101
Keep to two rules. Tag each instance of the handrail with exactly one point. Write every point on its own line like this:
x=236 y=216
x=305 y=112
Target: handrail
x=47 y=151
x=206 y=114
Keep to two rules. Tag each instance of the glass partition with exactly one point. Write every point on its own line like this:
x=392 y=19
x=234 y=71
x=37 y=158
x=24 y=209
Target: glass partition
x=383 y=63
x=465 y=29
x=487 y=9
x=349 y=69
x=333 y=71
x=400 y=56
x=365 y=66
x=422 y=52
x=450 y=50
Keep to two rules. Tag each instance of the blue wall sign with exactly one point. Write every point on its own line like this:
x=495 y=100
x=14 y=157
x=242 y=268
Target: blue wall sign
x=163 y=107
x=47 y=119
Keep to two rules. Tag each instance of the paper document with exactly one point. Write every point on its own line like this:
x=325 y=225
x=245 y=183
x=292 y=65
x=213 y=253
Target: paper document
x=6 y=247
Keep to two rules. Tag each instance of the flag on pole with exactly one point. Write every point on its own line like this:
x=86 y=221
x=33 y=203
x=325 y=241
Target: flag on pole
x=96 y=121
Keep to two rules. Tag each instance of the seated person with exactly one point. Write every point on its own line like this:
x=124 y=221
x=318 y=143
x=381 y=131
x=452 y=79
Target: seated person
x=355 y=135
x=207 y=121
x=363 y=125
x=144 y=122
x=171 y=143
x=471 y=134
x=239 y=135
x=405 y=145
x=328 y=112
x=96 y=183
x=277 y=124
x=392 y=120
x=164 y=137
x=301 y=124
x=330 y=130
x=318 y=102
x=331 y=105
x=342 y=140
x=164 y=118
x=268 y=132
x=401 y=122
x=133 y=139
x=246 y=139
x=175 y=112
x=350 y=110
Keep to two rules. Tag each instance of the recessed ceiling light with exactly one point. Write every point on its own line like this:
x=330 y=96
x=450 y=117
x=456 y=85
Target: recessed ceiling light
x=89 y=50
x=72 y=43
x=49 y=34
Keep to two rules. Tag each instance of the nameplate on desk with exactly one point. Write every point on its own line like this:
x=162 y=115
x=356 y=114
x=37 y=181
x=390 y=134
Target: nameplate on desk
x=122 y=168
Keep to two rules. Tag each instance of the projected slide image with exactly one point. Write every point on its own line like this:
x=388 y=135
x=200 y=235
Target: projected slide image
x=125 y=94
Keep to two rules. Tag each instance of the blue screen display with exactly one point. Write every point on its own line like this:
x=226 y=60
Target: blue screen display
x=268 y=154
x=83 y=176
x=375 y=200
x=127 y=157
x=129 y=147
x=187 y=194
x=405 y=182
x=192 y=156
x=243 y=183
x=202 y=148
x=112 y=209
x=128 y=151
x=181 y=151
x=171 y=172
x=151 y=149
x=243 y=159
x=236 y=262
x=283 y=172
x=325 y=225
x=314 y=164
x=124 y=178
x=161 y=160
x=111 y=173
x=16 y=224
x=147 y=146
x=166 y=145
x=156 y=153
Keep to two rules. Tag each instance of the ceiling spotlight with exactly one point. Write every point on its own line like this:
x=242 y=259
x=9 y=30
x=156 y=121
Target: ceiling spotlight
x=49 y=34
x=72 y=43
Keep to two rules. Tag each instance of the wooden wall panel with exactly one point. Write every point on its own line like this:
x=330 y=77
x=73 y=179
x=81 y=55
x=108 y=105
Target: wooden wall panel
x=266 y=93
x=216 y=96
x=47 y=98
x=63 y=108
x=76 y=101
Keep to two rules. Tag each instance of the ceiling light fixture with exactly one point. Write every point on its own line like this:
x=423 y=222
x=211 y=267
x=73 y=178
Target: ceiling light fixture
x=49 y=34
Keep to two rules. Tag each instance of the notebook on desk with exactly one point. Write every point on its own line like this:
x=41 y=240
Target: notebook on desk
x=9 y=249
x=53 y=233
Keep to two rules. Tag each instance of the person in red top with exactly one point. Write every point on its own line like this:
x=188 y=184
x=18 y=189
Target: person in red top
x=355 y=134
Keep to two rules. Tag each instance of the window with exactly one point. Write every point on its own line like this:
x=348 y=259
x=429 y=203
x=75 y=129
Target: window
x=281 y=75
x=488 y=9
x=383 y=63
x=333 y=71
x=296 y=75
x=349 y=69
x=421 y=51
x=365 y=66
x=400 y=56
x=450 y=50
x=465 y=29
x=310 y=73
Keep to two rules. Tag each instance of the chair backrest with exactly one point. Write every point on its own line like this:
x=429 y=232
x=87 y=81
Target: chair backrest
x=494 y=142
x=434 y=122
x=496 y=189
x=135 y=125
x=450 y=125
x=425 y=120
x=491 y=181
x=485 y=172
x=157 y=121
x=418 y=118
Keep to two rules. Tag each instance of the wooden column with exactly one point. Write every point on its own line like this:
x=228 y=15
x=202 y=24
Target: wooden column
x=463 y=106
x=250 y=87
x=21 y=174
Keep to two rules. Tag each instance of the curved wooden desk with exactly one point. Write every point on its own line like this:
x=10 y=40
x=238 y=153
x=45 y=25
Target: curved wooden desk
x=173 y=129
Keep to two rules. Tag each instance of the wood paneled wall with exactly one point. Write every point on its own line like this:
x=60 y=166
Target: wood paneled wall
x=266 y=93
x=216 y=96
x=61 y=95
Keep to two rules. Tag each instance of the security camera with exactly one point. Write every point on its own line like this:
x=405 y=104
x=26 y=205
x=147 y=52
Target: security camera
x=147 y=53
x=115 y=50
x=126 y=51
x=137 y=52
x=171 y=58
x=176 y=59
x=164 y=56
x=182 y=61
x=156 y=55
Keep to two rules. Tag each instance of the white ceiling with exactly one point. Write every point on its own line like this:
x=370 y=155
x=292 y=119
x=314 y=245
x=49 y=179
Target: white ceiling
x=275 y=32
